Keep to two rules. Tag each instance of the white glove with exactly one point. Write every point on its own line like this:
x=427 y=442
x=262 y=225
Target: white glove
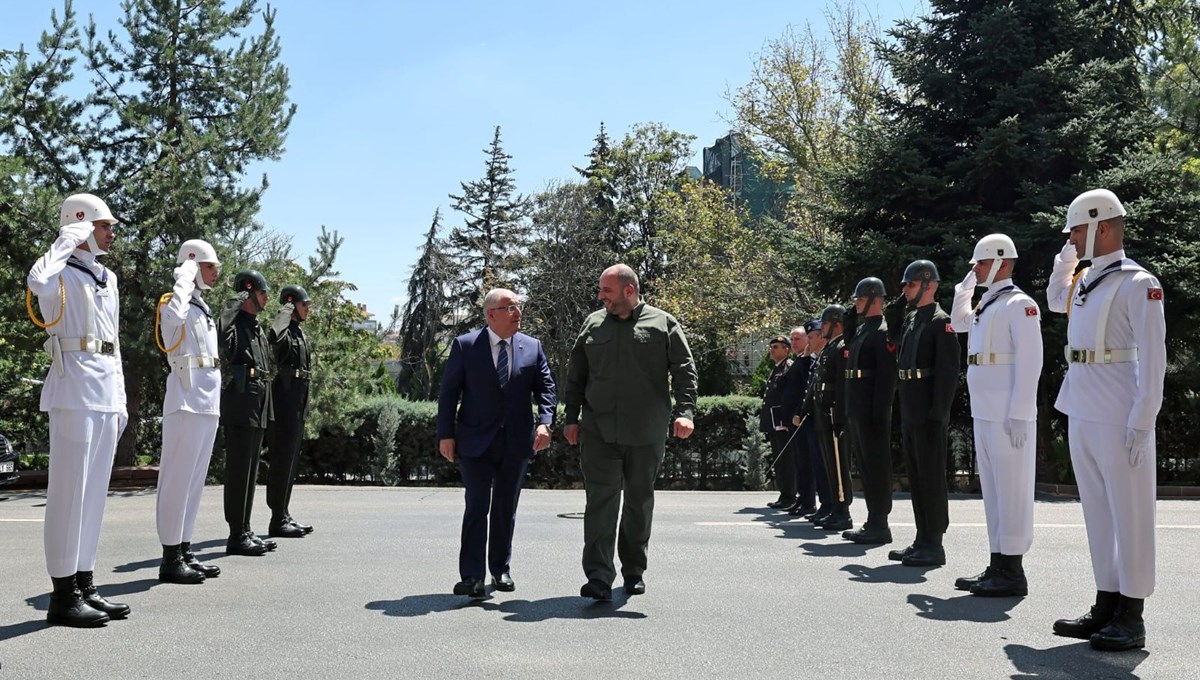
x=283 y=318
x=1017 y=431
x=970 y=281
x=1068 y=254
x=1138 y=443
x=77 y=232
x=187 y=271
x=122 y=421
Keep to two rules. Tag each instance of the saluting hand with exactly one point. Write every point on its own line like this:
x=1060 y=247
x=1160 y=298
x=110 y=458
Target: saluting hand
x=76 y=232
x=1068 y=253
x=969 y=281
x=186 y=271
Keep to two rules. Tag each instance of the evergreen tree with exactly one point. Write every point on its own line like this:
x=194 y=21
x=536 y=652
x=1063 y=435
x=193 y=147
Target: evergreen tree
x=599 y=182
x=424 y=318
x=488 y=247
x=179 y=107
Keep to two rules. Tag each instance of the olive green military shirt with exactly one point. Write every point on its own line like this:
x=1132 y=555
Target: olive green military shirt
x=618 y=374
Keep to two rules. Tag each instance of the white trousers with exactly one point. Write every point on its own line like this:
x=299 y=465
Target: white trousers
x=187 y=444
x=1118 y=506
x=82 y=447
x=1006 y=475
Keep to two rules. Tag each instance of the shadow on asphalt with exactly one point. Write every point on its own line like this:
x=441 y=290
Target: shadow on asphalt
x=1073 y=661
x=888 y=573
x=18 y=629
x=842 y=549
x=965 y=607
x=197 y=548
x=519 y=611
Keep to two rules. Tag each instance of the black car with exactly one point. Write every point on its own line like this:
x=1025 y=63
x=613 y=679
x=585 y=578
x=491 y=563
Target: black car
x=8 y=461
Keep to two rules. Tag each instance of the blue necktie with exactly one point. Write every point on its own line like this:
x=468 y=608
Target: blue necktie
x=502 y=363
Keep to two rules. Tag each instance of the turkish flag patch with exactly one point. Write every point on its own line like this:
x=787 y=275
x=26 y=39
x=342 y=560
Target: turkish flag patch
x=891 y=347
x=1154 y=294
x=949 y=328
x=1031 y=311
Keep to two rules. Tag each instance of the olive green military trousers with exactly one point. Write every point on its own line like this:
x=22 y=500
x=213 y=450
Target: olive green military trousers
x=609 y=470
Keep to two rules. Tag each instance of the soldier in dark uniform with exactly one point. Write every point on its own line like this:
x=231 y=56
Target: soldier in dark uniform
x=928 y=373
x=245 y=406
x=289 y=396
x=771 y=423
x=811 y=483
x=825 y=405
x=870 y=388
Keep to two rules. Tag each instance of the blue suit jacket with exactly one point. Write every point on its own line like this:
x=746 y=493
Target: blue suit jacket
x=472 y=407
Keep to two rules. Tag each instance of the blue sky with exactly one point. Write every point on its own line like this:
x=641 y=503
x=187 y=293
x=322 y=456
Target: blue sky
x=397 y=100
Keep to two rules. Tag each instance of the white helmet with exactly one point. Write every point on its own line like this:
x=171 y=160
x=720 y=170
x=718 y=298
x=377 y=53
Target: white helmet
x=994 y=247
x=199 y=251
x=86 y=208
x=1090 y=208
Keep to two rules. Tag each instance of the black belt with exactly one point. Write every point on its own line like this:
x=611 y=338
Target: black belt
x=855 y=373
x=915 y=373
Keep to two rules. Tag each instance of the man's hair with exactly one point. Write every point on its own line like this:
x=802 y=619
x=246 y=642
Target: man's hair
x=625 y=276
x=800 y=330
x=493 y=296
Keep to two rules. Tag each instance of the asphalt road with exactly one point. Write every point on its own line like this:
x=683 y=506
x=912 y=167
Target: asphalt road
x=733 y=591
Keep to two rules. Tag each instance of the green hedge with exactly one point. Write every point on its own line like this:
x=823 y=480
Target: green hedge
x=396 y=443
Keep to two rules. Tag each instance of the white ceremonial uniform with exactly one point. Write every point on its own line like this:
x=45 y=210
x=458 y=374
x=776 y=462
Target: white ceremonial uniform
x=1004 y=362
x=191 y=409
x=1113 y=387
x=84 y=393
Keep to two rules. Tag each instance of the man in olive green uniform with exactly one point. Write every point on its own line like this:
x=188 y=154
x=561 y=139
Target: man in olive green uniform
x=825 y=405
x=928 y=372
x=870 y=390
x=245 y=406
x=289 y=397
x=627 y=363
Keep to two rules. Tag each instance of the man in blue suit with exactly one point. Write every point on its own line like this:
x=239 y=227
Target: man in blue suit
x=493 y=378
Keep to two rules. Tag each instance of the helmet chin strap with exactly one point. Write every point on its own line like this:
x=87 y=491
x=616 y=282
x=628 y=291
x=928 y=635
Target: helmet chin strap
x=200 y=282
x=1089 y=252
x=992 y=271
x=93 y=246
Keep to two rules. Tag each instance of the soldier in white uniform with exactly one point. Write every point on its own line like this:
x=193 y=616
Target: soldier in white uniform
x=1004 y=362
x=1116 y=359
x=191 y=409
x=84 y=393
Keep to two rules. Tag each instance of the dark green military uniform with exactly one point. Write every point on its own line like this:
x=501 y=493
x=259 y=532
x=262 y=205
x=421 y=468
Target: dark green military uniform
x=928 y=373
x=245 y=408
x=825 y=405
x=289 y=393
x=870 y=376
x=617 y=391
x=771 y=416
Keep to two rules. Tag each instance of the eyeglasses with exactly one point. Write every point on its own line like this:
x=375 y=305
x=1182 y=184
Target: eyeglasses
x=511 y=309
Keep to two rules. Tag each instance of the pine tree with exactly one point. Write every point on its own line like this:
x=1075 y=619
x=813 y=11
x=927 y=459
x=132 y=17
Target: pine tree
x=599 y=182
x=488 y=247
x=424 y=318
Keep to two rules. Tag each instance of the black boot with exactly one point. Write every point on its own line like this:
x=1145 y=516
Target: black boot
x=965 y=582
x=1006 y=580
x=87 y=590
x=281 y=528
x=241 y=543
x=1097 y=617
x=189 y=558
x=174 y=570
x=67 y=607
x=1125 y=631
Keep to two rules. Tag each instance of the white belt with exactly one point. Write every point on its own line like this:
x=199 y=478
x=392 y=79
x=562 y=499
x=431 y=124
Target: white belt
x=93 y=345
x=1107 y=356
x=185 y=361
x=990 y=358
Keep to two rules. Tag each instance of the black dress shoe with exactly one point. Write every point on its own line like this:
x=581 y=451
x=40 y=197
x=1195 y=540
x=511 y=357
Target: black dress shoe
x=281 y=528
x=838 y=522
x=869 y=536
x=266 y=543
x=504 y=582
x=241 y=544
x=189 y=558
x=597 y=590
x=634 y=585
x=820 y=518
x=806 y=510
x=780 y=504
x=87 y=591
x=925 y=556
x=306 y=528
x=1092 y=622
x=471 y=587
x=899 y=555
